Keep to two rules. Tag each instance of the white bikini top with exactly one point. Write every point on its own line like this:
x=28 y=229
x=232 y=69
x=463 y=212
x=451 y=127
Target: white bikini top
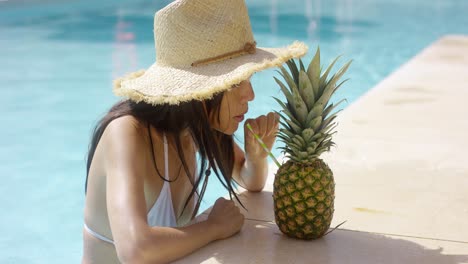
x=162 y=212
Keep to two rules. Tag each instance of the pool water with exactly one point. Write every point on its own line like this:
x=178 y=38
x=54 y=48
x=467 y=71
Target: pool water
x=58 y=59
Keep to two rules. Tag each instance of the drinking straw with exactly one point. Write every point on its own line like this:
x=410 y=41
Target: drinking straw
x=260 y=141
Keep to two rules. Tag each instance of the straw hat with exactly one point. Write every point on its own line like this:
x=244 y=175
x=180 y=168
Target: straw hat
x=203 y=47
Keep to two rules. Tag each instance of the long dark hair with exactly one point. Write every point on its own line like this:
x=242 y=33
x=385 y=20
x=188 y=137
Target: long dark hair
x=216 y=149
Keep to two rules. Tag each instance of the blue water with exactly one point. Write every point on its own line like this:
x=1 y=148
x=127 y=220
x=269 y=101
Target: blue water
x=58 y=60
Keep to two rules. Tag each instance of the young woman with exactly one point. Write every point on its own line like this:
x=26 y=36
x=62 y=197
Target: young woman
x=144 y=182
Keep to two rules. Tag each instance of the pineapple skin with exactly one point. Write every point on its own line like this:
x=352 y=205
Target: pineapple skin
x=303 y=196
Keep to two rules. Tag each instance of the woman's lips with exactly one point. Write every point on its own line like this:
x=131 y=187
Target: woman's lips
x=239 y=118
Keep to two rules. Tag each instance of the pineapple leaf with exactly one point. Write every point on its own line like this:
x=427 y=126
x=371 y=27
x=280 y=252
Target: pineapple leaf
x=283 y=105
x=327 y=121
x=283 y=136
x=307 y=134
x=286 y=126
x=312 y=148
x=306 y=90
x=285 y=91
x=314 y=71
x=288 y=78
x=339 y=74
x=326 y=95
x=330 y=88
x=317 y=136
x=292 y=120
x=319 y=151
x=333 y=115
x=339 y=85
x=296 y=159
x=293 y=145
x=302 y=65
x=330 y=108
x=287 y=150
x=286 y=111
x=287 y=141
x=326 y=139
x=297 y=129
x=300 y=108
x=316 y=111
x=330 y=128
x=303 y=155
x=315 y=123
x=300 y=139
x=324 y=77
x=325 y=143
x=288 y=133
x=321 y=139
x=343 y=69
x=294 y=151
x=294 y=71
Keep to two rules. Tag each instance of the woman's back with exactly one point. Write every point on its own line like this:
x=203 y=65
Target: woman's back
x=163 y=200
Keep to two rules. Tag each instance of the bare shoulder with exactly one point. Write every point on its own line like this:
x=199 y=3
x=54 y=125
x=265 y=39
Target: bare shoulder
x=125 y=125
x=126 y=130
x=125 y=138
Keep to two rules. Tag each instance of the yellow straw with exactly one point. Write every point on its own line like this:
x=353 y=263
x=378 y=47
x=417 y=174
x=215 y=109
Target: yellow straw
x=260 y=141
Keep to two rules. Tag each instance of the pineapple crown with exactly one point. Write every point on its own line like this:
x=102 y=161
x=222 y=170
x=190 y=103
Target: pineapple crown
x=307 y=116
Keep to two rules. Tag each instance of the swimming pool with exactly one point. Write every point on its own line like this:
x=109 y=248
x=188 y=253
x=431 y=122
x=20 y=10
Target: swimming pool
x=58 y=61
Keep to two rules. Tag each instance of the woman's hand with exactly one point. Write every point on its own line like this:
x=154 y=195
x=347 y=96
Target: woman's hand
x=226 y=218
x=266 y=127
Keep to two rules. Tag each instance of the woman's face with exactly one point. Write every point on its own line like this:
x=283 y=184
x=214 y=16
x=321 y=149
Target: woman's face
x=233 y=107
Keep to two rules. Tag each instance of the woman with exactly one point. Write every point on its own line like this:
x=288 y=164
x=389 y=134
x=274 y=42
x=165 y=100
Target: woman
x=143 y=185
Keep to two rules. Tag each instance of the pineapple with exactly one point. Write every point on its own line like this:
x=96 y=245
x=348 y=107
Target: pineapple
x=304 y=189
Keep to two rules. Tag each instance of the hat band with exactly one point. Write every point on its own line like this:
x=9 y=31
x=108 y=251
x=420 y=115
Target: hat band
x=249 y=48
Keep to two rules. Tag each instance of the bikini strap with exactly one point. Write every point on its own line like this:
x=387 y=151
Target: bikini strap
x=166 y=158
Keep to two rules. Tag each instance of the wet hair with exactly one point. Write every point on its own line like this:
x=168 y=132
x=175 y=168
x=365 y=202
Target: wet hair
x=216 y=150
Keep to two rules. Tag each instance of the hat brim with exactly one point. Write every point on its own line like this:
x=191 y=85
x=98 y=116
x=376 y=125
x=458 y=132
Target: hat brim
x=167 y=85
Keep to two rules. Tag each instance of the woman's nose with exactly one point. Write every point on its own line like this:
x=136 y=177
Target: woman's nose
x=248 y=93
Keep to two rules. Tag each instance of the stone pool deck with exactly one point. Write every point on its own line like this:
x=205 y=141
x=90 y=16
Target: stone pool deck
x=401 y=172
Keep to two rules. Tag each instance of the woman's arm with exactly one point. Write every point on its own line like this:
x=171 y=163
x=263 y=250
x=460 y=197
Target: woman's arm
x=135 y=241
x=250 y=174
x=251 y=169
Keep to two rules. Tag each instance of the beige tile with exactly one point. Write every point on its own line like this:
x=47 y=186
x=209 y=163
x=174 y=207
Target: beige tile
x=407 y=210
x=263 y=243
x=259 y=205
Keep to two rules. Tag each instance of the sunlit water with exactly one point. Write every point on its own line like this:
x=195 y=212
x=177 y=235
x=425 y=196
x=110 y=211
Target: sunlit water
x=58 y=60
